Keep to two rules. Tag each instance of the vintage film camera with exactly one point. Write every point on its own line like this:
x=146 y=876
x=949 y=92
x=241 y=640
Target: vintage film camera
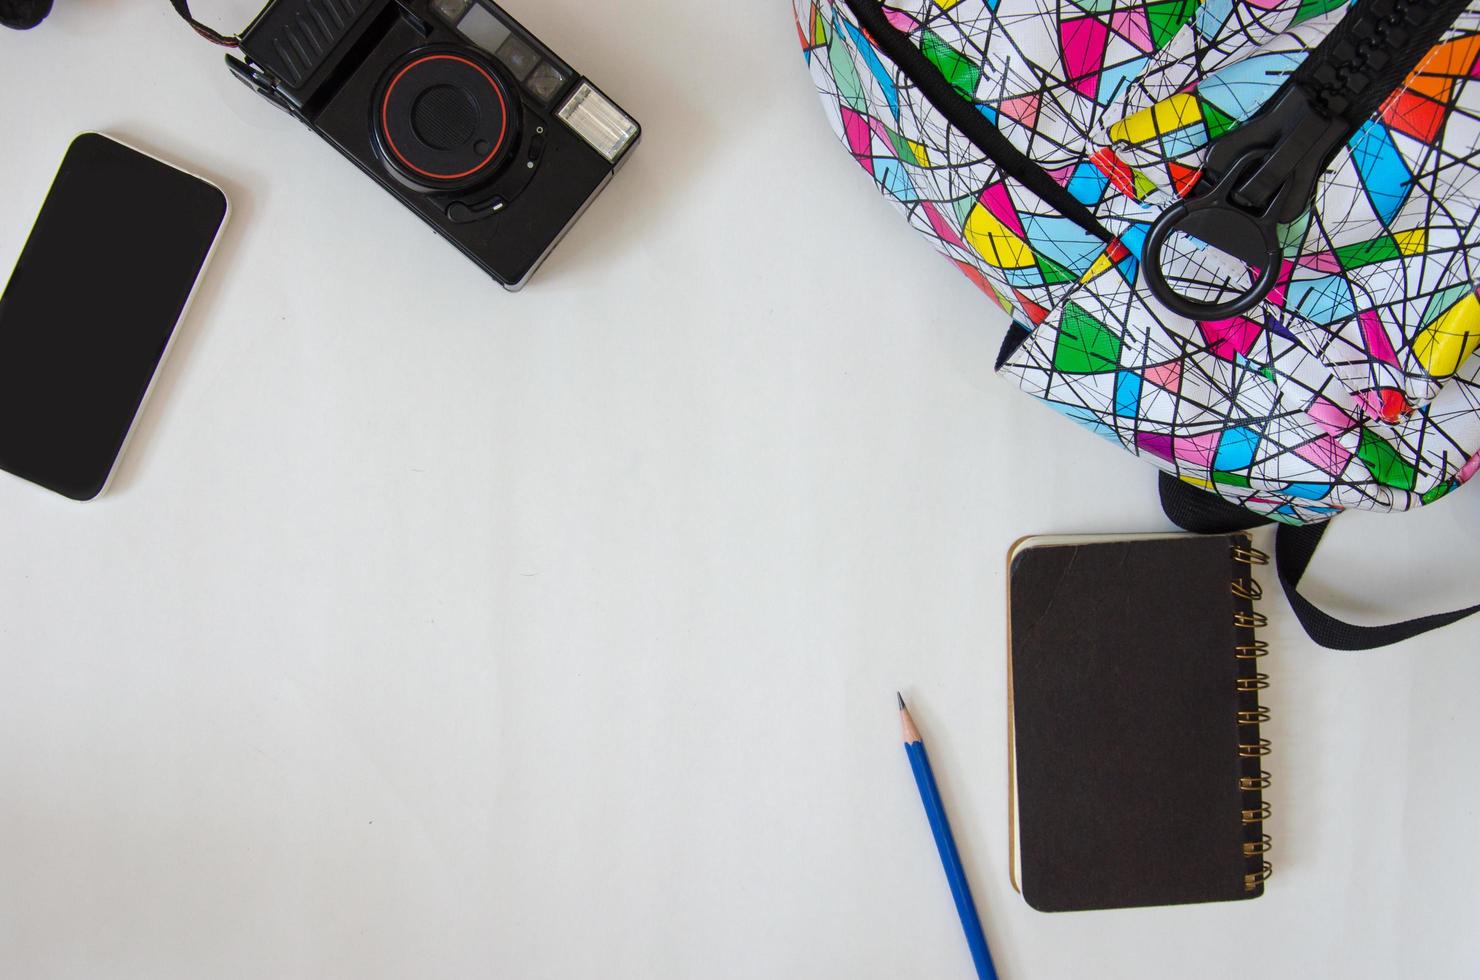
x=454 y=108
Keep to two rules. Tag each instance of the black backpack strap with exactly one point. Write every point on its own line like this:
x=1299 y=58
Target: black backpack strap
x=1294 y=547
x=182 y=7
x=1197 y=510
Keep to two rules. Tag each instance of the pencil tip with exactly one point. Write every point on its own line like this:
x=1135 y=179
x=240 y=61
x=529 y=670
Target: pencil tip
x=906 y=723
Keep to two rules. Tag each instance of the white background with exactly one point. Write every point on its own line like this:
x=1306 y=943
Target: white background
x=433 y=631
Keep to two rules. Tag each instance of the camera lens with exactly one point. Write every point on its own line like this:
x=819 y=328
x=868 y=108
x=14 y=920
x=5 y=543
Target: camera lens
x=445 y=119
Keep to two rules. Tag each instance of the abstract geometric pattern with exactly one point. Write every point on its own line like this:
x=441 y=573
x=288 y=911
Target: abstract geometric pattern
x=1353 y=384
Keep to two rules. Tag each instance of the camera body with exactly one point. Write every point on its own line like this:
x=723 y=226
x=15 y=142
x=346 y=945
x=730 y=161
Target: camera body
x=454 y=108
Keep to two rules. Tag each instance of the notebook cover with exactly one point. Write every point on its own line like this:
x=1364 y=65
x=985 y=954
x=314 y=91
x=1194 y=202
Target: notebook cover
x=1124 y=702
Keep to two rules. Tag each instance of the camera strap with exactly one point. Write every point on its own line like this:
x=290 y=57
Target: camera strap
x=182 y=7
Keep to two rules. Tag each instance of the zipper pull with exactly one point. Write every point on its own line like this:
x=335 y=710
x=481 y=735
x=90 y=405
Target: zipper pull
x=1257 y=177
x=1264 y=173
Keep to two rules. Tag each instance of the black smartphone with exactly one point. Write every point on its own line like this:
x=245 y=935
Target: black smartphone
x=92 y=305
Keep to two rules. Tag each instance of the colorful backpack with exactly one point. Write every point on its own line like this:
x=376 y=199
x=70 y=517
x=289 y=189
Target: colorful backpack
x=1234 y=236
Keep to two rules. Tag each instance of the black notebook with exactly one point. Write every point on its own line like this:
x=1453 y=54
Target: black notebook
x=1133 y=710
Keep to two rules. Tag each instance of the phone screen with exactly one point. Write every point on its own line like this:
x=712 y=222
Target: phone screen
x=91 y=306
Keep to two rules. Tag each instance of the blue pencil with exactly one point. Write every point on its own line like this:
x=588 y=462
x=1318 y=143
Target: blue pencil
x=914 y=746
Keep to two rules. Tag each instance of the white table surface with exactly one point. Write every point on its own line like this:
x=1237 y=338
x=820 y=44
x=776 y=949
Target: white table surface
x=433 y=631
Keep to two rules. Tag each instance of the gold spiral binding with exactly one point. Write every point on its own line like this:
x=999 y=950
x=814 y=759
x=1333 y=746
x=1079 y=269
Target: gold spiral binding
x=1253 y=848
x=1247 y=685
x=1251 y=651
x=1250 y=783
x=1250 y=746
x=1254 y=716
x=1247 y=588
x=1253 y=750
x=1249 y=555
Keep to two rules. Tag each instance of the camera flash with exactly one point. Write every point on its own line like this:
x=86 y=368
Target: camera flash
x=598 y=121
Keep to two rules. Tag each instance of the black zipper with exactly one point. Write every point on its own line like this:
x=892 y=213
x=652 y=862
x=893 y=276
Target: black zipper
x=963 y=114
x=1264 y=172
x=1341 y=83
x=1370 y=51
x=1258 y=175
